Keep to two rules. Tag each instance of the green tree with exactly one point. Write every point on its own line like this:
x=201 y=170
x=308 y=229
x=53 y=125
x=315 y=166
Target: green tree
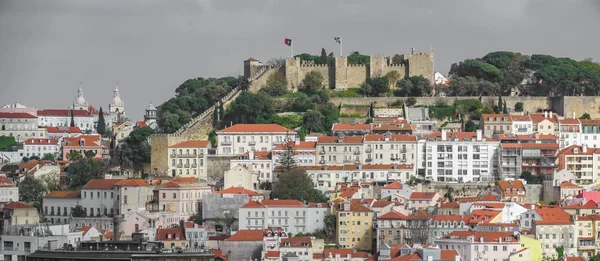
x=228 y=221
x=487 y=110
x=296 y=184
x=51 y=181
x=330 y=224
x=499 y=106
x=81 y=172
x=411 y=101
x=302 y=103
x=78 y=211
x=10 y=169
x=323 y=56
x=357 y=58
x=221 y=111
x=135 y=149
x=34 y=158
x=416 y=86
x=31 y=189
x=313 y=81
x=330 y=113
x=287 y=160
x=197 y=218
x=101 y=123
x=504 y=108
x=215 y=117
x=585 y=116
x=393 y=77
x=72 y=119
x=470 y=126
x=476 y=68
x=250 y=108
x=398 y=59
x=276 y=85
x=89 y=154
x=320 y=97
x=519 y=107
x=74 y=155
x=560 y=252
x=48 y=156
x=531 y=178
x=313 y=121
x=375 y=87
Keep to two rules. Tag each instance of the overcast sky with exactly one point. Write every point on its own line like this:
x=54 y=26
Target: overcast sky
x=149 y=47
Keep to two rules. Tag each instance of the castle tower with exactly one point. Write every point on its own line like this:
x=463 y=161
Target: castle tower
x=251 y=66
x=116 y=105
x=150 y=115
x=341 y=73
x=80 y=103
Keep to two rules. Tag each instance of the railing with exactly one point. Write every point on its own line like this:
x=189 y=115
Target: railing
x=173 y=155
x=369 y=150
x=321 y=162
x=369 y=160
x=403 y=150
x=194 y=165
x=226 y=143
x=357 y=152
x=322 y=152
x=252 y=143
x=179 y=165
x=186 y=165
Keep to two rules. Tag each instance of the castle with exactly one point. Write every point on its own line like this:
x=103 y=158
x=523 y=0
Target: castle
x=340 y=75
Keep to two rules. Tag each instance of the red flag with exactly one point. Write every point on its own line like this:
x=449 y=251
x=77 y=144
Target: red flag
x=288 y=41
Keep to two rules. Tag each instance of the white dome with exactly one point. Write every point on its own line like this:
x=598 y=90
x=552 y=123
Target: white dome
x=151 y=107
x=80 y=100
x=116 y=100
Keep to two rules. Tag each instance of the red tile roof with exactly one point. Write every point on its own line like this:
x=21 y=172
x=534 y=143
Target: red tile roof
x=393 y=137
x=258 y=155
x=549 y=214
x=514 y=184
x=40 y=141
x=15 y=115
x=568 y=184
x=5 y=182
x=140 y=124
x=282 y=203
x=461 y=136
x=344 y=139
x=247 y=235
x=303 y=145
x=15 y=205
x=253 y=204
x=64 y=194
x=484 y=236
x=257 y=128
x=351 y=127
x=63 y=130
x=162 y=234
x=88 y=141
x=588 y=205
x=132 y=183
x=569 y=121
x=381 y=204
x=450 y=205
x=101 y=183
x=422 y=195
x=272 y=254
x=355 y=207
x=185 y=180
x=394 y=185
x=63 y=113
x=192 y=144
x=238 y=190
x=296 y=242
x=393 y=215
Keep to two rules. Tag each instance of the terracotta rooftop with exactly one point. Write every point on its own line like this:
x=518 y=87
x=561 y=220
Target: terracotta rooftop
x=393 y=215
x=513 y=184
x=392 y=137
x=132 y=183
x=101 y=183
x=16 y=115
x=63 y=113
x=63 y=130
x=422 y=195
x=351 y=127
x=480 y=236
x=40 y=141
x=394 y=185
x=344 y=139
x=303 y=145
x=15 y=205
x=258 y=155
x=64 y=194
x=296 y=242
x=257 y=128
x=355 y=207
x=88 y=141
x=549 y=214
x=282 y=203
x=568 y=184
x=176 y=233
x=247 y=235
x=5 y=182
x=192 y=144
x=238 y=190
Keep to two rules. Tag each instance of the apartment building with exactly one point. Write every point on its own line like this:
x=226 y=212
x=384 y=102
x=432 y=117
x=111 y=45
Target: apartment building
x=590 y=133
x=544 y=123
x=181 y=195
x=20 y=125
x=83 y=143
x=533 y=153
x=188 y=158
x=340 y=150
x=582 y=161
x=521 y=124
x=61 y=132
x=422 y=200
x=259 y=163
x=58 y=205
x=421 y=124
x=292 y=215
x=305 y=152
x=41 y=146
x=587 y=235
x=556 y=232
x=241 y=138
x=389 y=149
x=570 y=132
x=354 y=226
x=326 y=178
x=8 y=190
x=477 y=245
x=536 y=214
x=442 y=225
x=390 y=228
x=458 y=157
x=495 y=124
x=57 y=118
x=17 y=213
x=511 y=190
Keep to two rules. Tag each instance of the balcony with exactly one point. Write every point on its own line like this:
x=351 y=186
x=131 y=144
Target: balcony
x=179 y=165
x=369 y=150
x=347 y=161
x=322 y=152
x=322 y=162
x=403 y=150
x=252 y=143
x=226 y=143
x=186 y=165
x=173 y=155
x=369 y=160
x=201 y=155
x=356 y=152
x=194 y=166
x=403 y=160
x=356 y=161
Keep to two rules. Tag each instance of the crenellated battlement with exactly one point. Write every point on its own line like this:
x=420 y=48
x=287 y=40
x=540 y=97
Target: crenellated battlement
x=358 y=65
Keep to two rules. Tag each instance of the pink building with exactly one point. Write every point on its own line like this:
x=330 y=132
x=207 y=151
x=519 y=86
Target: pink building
x=479 y=245
x=423 y=200
x=181 y=195
x=590 y=195
x=83 y=143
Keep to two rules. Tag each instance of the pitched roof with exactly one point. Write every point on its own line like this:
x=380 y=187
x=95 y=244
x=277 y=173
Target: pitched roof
x=569 y=121
x=247 y=235
x=40 y=141
x=539 y=117
x=344 y=139
x=568 y=184
x=5 y=182
x=355 y=207
x=64 y=194
x=101 y=183
x=162 y=234
x=192 y=144
x=257 y=128
x=394 y=185
x=381 y=204
x=15 y=115
x=303 y=145
x=63 y=129
x=238 y=190
x=272 y=254
x=393 y=215
x=296 y=242
x=513 y=184
x=422 y=195
x=258 y=155
x=549 y=214
x=16 y=204
x=252 y=204
x=281 y=203
x=185 y=180
x=88 y=141
x=392 y=137
x=588 y=205
x=484 y=236
x=63 y=113
x=132 y=183
x=350 y=127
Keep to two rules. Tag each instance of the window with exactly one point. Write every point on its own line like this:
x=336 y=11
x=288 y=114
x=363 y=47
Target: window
x=174 y=195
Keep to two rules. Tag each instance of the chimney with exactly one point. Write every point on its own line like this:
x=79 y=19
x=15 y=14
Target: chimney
x=297 y=141
x=532 y=207
x=251 y=154
x=116 y=222
x=443 y=135
x=479 y=135
x=545 y=114
x=573 y=115
x=584 y=148
x=550 y=114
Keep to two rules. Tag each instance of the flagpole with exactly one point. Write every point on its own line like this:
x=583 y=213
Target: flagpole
x=341 y=44
x=292 y=49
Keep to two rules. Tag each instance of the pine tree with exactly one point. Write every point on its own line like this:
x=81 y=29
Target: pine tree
x=323 y=56
x=215 y=118
x=221 y=111
x=72 y=119
x=101 y=123
x=504 y=109
x=499 y=109
x=287 y=161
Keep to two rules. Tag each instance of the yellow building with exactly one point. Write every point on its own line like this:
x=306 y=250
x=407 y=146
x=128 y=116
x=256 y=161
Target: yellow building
x=587 y=234
x=533 y=245
x=188 y=159
x=354 y=226
x=17 y=213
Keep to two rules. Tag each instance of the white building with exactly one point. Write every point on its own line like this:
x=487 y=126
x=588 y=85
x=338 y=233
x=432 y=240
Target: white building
x=80 y=103
x=569 y=132
x=521 y=124
x=8 y=190
x=62 y=132
x=340 y=150
x=305 y=153
x=458 y=156
x=556 y=233
x=326 y=178
x=240 y=176
x=292 y=215
x=241 y=138
x=116 y=106
x=389 y=149
x=195 y=234
x=188 y=158
x=62 y=118
x=58 y=205
x=20 y=125
x=40 y=147
x=260 y=163
x=21 y=241
x=396 y=188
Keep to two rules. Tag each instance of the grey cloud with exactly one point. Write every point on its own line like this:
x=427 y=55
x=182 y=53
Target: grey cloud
x=149 y=47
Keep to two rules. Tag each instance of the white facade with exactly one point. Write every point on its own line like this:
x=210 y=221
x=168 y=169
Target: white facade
x=325 y=178
x=62 y=118
x=240 y=176
x=189 y=159
x=557 y=235
x=458 y=157
x=20 y=125
x=41 y=146
x=260 y=163
x=15 y=247
x=8 y=190
x=522 y=124
x=241 y=138
x=389 y=149
x=305 y=153
x=292 y=215
x=57 y=206
x=569 y=132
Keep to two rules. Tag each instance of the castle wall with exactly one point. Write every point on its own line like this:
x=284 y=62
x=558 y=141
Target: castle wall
x=303 y=70
x=581 y=105
x=421 y=64
x=216 y=165
x=292 y=68
x=341 y=73
x=377 y=66
x=357 y=74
